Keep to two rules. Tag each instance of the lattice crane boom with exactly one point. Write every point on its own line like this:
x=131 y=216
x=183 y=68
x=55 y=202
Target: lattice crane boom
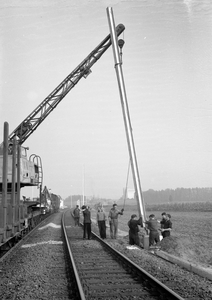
x=29 y=125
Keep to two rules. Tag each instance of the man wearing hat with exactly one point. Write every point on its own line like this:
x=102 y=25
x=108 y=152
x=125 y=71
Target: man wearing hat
x=153 y=227
x=113 y=220
x=76 y=214
x=134 y=229
x=167 y=226
x=86 y=222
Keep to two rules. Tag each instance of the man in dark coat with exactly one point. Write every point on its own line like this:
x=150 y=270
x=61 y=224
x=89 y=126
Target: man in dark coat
x=166 y=225
x=134 y=229
x=153 y=227
x=76 y=214
x=86 y=222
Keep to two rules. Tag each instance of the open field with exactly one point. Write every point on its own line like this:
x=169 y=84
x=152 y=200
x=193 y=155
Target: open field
x=191 y=237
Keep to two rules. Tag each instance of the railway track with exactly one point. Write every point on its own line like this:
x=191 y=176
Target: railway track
x=44 y=267
x=101 y=272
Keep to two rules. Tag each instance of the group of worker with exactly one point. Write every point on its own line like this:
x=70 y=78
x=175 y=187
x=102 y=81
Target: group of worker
x=155 y=228
x=101 y=220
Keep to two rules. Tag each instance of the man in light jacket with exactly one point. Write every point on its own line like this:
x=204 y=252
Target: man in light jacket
x=113 y=220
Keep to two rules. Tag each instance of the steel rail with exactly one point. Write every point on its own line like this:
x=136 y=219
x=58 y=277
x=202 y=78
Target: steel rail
x=153 y=281
x=75 y=272
x=163 y=290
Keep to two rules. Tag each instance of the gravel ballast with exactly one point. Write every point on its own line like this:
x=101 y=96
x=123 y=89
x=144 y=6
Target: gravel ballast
x=38 y=270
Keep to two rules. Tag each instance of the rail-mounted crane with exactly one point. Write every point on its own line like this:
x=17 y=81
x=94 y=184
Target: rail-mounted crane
x=30 y=175
x=16 y=170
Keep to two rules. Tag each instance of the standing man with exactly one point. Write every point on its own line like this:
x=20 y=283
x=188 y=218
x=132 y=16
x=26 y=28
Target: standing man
x=86 y=222
x=163 y=220
x=134 y=229
x=76 y=214
x=166 y=225
x=113 y=220
x=153 y=227
x=101 y=221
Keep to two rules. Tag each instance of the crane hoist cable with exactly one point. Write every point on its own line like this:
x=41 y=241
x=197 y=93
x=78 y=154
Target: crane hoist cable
x=125 y=191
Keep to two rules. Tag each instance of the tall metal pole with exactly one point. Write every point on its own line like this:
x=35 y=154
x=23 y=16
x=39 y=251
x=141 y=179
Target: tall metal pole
x=71 y=195
x=126 y=115
x=19 y=184
x=4 y=178
x=13 y=193
x=83 y=185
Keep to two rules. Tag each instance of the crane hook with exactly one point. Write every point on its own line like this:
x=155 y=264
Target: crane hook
x=121 y=44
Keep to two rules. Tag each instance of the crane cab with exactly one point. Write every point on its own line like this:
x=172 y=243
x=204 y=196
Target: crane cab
x=29 y=169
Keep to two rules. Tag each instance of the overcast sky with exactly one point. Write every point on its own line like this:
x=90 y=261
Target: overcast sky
x=167 y=67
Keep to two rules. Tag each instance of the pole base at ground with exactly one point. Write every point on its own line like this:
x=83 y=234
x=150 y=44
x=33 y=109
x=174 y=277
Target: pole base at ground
x=146 y=242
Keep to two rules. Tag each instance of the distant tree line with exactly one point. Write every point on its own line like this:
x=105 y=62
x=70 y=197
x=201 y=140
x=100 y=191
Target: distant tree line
x=181 y=206
x=178 y=195
x=152 y=197
x=72 y=200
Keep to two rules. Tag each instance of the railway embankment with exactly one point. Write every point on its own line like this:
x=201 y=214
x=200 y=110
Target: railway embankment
x=201 y=271
x=205 y=272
